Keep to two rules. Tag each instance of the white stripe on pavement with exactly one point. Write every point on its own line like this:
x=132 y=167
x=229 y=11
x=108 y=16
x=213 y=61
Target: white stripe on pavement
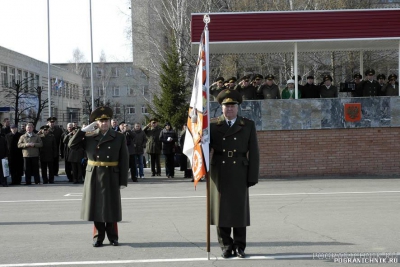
x=156 y=261
x=187 y=197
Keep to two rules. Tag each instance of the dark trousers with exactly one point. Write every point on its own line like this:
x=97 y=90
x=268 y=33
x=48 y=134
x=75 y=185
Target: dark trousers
x=169 y=164
x=68 y=170
x=32 y=168
x=16 y=166
x=56 y=165
x=3 y=180
x=101 y=228
x=132 y=167
x=76 y=171
x=155 y=162
x=44 y=165
x=227 y=242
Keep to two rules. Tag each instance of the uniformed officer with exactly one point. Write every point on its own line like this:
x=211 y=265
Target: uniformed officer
x=269 y=90
x=106 y=174
x=370 y=87
x=392 y=87
x=230 y=83
x=382 y=83
x=57 y=132
x=357 y=80
x=327 y=90
x=216 y=88
x=247 y=90
x=48 y=152
x=234 y=168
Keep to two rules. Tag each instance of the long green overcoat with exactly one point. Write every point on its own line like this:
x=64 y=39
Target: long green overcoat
x=101 y=200
x=235 y=163
x=153 y=145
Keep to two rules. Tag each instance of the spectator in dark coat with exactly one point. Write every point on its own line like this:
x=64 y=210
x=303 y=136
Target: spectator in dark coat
x=168 y=138
x=47 y=154
x=184 y=166
x=75 y=157
x=6 y=127
x=139 y=145
x=15 y=159
x=65 y=151
x=3 y=154
x=153 y=146
x=130 y=138
x=57 y=133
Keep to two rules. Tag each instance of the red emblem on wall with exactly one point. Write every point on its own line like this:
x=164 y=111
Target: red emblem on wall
x=352 y=112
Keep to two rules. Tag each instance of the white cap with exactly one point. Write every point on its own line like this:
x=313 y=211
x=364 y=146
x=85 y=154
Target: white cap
x=290 y=81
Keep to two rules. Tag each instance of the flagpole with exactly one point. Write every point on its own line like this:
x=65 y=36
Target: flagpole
x=91 y=55
x=48 y=59
x=206 y=20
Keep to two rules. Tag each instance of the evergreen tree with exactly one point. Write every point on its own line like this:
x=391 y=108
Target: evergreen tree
x=172 y=103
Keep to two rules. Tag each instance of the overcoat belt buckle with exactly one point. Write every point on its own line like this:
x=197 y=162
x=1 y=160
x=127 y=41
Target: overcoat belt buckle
x=230 y=154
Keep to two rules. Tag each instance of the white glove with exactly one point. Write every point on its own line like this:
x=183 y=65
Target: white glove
x=169 y=139
x=90 y=127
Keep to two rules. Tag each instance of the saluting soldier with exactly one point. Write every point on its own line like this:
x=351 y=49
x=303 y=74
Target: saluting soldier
x=370 y=87
x=106 y=174
x=234 y=168
x=230 y=83
x=216 y=87
x=57 y=132
x=247 y=90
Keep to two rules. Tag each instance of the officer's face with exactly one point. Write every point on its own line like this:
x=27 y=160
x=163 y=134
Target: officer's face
x=269 y=82
x=230 y=111
x=104 y=125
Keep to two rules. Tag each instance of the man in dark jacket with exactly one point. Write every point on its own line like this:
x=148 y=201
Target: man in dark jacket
x=269 y=90
x=139 y=145
x=234 y=168
x=15 y=159
x=153 y=147
x=168 y=138
x=65 y=137
x=3 y=154
x=106 y=174
x=130 y=139
x=57 y=132
x=310 y=90
x=47 y=154
x=74 y=157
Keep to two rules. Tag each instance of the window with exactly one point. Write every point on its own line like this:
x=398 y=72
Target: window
x=130 y=91
x=67 y=89
x=19 y=75
x=87 y=72
x=117 y=110
x=145 y=88
x=86 y=91
x=31 y=80
x=4 y=76
x=131 y=110
x=116 y=91
x=25 y=82
x=114 y=72
x=37 y=80
x=12 y=77
x=144 y=109
x=99 y=72
x=129 y=71
x=100 y=91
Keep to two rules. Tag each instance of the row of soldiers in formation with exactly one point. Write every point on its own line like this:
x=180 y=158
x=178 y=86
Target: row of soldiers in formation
x=259 y=87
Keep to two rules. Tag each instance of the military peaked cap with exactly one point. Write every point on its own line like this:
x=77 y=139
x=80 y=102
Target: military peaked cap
x=220 y=79
x=357 y=75
x=101 y=113
x=381 y=76
x=269 y=77
x=369 y=72
x=392 y=76
x=327 y=77
x=52 y=119
x=228 y=96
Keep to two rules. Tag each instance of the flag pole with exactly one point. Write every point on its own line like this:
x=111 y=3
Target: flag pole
x=206 y=20
x=48 y=59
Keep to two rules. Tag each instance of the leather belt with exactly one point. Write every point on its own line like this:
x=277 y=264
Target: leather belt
x=103 y=163
x=230 y=154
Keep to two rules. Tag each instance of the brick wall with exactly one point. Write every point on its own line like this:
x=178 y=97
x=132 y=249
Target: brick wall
x=330 y=152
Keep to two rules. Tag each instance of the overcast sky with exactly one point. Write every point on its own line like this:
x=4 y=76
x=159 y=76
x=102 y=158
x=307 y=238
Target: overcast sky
x=23 y=28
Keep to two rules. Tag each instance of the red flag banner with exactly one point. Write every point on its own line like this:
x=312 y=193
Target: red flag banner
x=197 y=139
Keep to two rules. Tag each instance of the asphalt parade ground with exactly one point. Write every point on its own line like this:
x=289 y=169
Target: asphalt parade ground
x=294 y=222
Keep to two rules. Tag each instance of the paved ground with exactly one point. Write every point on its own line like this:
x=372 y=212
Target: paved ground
x=292 y=223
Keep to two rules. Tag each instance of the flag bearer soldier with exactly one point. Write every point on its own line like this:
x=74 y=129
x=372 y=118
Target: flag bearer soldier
x=106 y=174
x=57 y=132
x=234 y=168
x=47 y=154
x=15 y=159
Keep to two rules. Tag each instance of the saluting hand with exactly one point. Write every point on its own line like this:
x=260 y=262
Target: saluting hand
x=91 y=127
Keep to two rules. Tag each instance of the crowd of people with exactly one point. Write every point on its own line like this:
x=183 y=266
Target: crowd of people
x=254 y=87
x=29 y=151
